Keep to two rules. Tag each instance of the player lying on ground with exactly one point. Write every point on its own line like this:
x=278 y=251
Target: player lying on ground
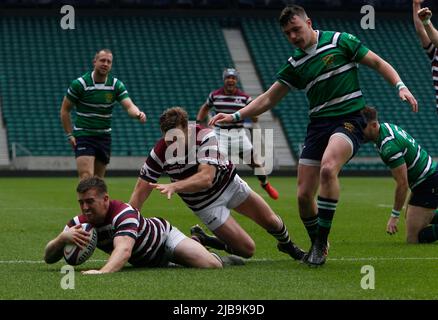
x=209 y=185
x=127 y=236
x=413 y=168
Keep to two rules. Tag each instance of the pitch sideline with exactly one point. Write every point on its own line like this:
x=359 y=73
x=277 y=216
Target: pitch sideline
x=353 y=259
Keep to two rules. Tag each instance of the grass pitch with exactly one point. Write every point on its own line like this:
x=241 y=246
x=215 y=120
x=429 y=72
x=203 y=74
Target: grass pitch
x=34 y=210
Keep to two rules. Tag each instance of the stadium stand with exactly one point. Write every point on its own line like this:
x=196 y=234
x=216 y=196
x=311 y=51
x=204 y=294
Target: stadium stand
x=386 y=5
x=175 y=60
x=160 y=61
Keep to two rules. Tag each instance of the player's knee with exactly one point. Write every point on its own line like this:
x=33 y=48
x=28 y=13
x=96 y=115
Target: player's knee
x=214 y=262
x=328 y=172
x=412 y=237
x=304 y=197
x=85 y=175
x=247 y=249
x=412 y=240
x=256 y=164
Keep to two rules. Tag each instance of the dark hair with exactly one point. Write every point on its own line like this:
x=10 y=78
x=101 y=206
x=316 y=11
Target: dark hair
x=289 y=12
x=172 y=118
x=92 y=183
x=369 y=113
x=106 y=50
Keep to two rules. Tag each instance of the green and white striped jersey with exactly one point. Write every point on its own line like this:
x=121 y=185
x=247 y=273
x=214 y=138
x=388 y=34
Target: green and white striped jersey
x=328 y=73
x=397 y=147
x=94 y=103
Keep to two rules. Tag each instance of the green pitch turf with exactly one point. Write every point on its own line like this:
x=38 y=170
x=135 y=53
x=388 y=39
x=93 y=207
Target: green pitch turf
x=34 y=210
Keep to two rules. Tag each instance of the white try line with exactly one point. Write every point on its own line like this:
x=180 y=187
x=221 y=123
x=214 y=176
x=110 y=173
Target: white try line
x=35 y=261
x=263 y=259
x=381 y=205
x=363 y=259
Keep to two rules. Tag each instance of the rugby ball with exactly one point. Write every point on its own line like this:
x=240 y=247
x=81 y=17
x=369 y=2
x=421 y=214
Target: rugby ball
x=74 y=255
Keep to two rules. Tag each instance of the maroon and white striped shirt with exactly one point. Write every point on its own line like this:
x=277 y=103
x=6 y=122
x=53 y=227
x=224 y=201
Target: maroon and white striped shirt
x=204 y=152
x=228 y=103
x=123 y=220
x=432 y=52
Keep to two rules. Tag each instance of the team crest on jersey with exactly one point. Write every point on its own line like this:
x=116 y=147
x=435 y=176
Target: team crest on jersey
x=348 y=126
x=238 y=101
x=328 y=60
x=351 y=37
x=109 y=97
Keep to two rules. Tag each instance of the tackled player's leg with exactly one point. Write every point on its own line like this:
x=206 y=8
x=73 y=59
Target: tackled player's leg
x=417 y=225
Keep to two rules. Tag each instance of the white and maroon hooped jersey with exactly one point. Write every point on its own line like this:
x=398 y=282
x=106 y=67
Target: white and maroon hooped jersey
x=432 y=52
x=205 y=152
x=228 y=103
x=123 y=220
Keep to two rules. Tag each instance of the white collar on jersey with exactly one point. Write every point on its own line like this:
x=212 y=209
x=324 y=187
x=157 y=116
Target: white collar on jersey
x=313 y=47
x=94 y=82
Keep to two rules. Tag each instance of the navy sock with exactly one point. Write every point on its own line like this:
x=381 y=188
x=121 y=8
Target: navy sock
x=326 y=211
x=428 y=234
x=311 y=225
x=263 y=179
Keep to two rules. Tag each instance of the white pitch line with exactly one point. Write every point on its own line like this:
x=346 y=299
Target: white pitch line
x=35 y=261
x=259 y=259
x=382 y=259
x=363 y=259
x=385 y=205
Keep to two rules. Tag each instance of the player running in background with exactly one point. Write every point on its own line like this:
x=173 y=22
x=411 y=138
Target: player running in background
x=412 y=168
x=94 y=95
x=428 y=36
x=324 y=65
x=209 y=185
x=127 y=236
x=230 y=99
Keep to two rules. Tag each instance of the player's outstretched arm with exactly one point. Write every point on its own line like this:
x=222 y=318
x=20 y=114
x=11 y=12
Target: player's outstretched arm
x=201 y=180
x=262 y=103
x=419 y=28
x=141 y=192
x=119 y=256
x=74 y=235
x=424 y=15
x=132 y=110
x=400 y=175
x=375 y=62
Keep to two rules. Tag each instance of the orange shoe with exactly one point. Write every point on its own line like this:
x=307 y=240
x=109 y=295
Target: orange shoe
x=271 y=191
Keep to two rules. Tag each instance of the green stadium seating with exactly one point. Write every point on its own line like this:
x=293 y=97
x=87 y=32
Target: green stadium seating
x=163 y=62
x=166 y=61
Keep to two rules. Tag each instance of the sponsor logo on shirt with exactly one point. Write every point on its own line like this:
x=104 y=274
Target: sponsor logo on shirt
x=349 y=127
x=328 y=60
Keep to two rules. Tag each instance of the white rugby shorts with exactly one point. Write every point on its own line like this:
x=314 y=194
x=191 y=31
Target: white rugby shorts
x=218 y=212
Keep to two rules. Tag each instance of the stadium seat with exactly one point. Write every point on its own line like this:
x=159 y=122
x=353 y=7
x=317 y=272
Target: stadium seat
x=155 y=72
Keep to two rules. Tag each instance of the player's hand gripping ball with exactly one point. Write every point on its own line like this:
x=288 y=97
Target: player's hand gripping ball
x=74 y=255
